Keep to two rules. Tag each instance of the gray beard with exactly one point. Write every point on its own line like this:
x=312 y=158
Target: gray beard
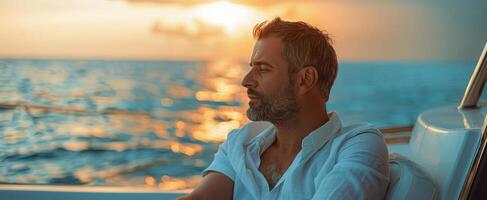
x=276 y=109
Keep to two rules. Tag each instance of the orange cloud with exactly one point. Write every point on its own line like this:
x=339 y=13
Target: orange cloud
x=195 y=29
x=257 y=3
x=168 y=2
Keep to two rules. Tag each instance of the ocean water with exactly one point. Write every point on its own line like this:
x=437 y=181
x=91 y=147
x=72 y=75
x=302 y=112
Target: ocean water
x=158 y=123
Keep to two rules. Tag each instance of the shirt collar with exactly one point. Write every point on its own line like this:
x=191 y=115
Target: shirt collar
x=320 y=136
x=311 y=143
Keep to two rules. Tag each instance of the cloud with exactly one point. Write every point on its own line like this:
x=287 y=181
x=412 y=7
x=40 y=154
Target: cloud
x=195 y=29
x=169 y=2
x=255 y=3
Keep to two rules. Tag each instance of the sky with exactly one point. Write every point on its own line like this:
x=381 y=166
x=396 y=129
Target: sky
x=376 y=30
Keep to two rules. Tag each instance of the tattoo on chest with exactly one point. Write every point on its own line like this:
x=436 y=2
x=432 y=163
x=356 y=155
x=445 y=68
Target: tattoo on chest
x=272 y=174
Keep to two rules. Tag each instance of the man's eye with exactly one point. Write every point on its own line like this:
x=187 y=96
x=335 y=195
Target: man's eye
x=261 y=69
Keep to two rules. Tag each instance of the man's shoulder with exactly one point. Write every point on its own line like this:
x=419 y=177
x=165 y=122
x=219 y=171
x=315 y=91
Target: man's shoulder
x=358 y=128
x=351 y=132
x=360 y=138
x=247 y=132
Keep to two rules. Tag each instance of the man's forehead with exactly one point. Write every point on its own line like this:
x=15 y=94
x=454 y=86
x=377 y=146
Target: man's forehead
x=269 y=49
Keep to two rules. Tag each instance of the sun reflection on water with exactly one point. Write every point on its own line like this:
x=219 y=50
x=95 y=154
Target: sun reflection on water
x=100 y=127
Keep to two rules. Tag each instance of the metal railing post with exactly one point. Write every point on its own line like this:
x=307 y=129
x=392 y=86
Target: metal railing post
x=476 y=83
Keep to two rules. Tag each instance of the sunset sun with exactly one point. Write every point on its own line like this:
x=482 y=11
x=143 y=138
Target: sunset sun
x=230 y=16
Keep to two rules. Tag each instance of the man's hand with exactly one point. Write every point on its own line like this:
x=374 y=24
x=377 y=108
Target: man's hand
x=214 y=186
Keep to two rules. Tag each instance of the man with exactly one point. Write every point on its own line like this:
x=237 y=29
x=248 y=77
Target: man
x=294 y=149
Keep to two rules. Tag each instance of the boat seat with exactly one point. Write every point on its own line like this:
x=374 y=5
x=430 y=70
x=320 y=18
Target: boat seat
x=409 y=181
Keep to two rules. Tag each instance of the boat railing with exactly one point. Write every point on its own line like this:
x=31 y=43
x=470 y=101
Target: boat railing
x=472 y=172
x=470 y=100
x=476 y=84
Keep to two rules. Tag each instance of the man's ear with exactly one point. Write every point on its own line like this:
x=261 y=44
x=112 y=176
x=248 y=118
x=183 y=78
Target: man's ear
x=306 y=79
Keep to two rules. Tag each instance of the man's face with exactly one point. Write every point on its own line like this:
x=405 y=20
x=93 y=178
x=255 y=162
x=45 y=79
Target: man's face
x=268 y=83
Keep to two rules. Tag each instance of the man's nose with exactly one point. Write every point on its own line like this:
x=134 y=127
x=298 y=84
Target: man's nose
x=248 y=81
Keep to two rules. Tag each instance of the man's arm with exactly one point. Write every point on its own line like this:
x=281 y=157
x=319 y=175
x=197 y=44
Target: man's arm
x=215 y=185
x=218 y=177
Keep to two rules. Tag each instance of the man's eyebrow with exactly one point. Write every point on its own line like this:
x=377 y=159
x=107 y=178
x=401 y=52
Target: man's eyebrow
x=260 y=63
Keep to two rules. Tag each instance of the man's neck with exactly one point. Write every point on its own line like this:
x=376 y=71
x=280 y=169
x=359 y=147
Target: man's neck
x=291 y=133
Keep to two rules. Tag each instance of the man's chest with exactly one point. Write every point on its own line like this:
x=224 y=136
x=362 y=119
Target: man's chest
x=279 y=180
x=273 y=166
x=275 y=176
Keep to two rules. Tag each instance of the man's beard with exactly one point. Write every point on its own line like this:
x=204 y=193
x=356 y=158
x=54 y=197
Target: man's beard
x=278 y=108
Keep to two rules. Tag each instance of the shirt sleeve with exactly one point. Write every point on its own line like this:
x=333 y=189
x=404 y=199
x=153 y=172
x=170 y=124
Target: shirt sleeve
x=221 y=162
x=361 y=171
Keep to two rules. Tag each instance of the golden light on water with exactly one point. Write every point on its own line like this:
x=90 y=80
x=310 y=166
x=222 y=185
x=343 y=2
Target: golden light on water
x=177 y=91
x=150 y=181
x=224 y=85
x=211 y=130
x=168 y=183
x=221 y=82
x=217 y=105
x=180 y=129
x=172 y=183
x=75 y=145
x=167 y=102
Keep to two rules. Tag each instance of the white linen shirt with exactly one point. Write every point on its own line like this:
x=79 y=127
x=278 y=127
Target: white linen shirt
x=334 y=162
